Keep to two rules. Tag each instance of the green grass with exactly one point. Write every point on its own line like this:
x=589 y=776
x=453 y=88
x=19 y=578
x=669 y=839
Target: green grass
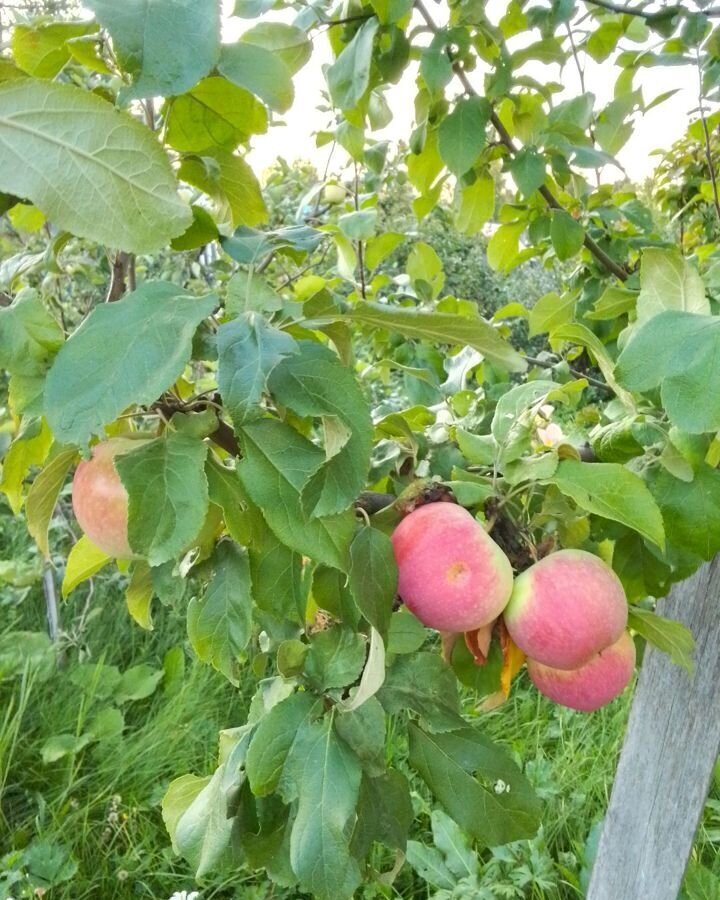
x=92 y=820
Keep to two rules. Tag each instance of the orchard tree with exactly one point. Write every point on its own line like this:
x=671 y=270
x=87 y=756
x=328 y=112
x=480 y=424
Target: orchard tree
x=254 y=447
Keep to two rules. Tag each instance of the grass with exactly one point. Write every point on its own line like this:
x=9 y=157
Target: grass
x=89 y=823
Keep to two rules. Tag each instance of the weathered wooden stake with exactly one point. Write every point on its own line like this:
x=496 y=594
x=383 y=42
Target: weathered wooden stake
x=666 y=764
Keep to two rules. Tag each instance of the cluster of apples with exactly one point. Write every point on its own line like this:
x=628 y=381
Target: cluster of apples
x=567 y=613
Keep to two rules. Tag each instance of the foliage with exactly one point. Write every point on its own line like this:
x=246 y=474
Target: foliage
x=328 y=366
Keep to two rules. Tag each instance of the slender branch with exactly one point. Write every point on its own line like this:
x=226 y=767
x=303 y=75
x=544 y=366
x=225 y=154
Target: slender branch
x=549 y=364
x=649 y=15
x=706 y=134
x=360 y=253
x=506 y=139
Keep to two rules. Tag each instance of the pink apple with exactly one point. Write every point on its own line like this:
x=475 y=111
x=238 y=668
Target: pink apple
x=566 y=608
x=593 y=685
x=452 y=575
x=100 y=501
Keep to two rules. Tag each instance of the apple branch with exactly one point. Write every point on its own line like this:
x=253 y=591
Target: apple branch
x=506 y=139
x=649 y=15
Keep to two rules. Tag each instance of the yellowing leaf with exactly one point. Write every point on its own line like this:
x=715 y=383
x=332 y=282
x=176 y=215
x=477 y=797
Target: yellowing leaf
x=84 y=560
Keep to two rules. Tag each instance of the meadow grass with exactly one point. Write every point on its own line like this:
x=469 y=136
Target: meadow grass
x=98 y=811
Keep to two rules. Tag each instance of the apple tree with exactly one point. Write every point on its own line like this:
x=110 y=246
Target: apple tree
x=270 y=414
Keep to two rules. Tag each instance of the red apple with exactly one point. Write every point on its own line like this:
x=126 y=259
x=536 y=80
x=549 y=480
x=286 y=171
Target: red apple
x=100 y=501
x=452 y=575
x=593 y=685
x=566 y=608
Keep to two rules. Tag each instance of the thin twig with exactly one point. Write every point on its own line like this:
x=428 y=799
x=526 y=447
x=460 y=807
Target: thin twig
x=548 y=364
x=649 y=14
x=706 y=133
x=600 y=255
x=360 y=252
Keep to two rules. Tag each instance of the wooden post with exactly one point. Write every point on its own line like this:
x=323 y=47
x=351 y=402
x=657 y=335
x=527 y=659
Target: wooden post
x=666 y=764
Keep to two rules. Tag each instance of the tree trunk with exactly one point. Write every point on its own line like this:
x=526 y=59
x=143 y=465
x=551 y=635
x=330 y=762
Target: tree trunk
x=667 y=760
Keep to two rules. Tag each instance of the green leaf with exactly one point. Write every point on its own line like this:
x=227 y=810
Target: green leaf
x=613 y=302
x=430 y=866
x=460 y=857
x=248 y=351
x=373 y=577
x=349 y=76
x=669 y=281
x=363 y=730
x=288 y=42
x=276 y=575
x=248 y=292
x=107 y=723
x=138 y=683
x=527 y=168
x=230 y=182
x=167 y=45
x=461 y=135
x=613 y=492
x=43 y=495
x=273 y=738
x=500 y=808
x=116 y=202
x=202 y=230
x=259 y=71
x=566 y=234
x=359 y=225
x=385 y=813
x=203 y=830
x=29 y=335
x=667 y=635
x=219 y=624
x=215 y=113
x=406 y=633
x=423 y=683
x=503 y=246
x=315 y=383
x=676 y=351
x=335 y=659
x=41 y=50
x=61 y=745
x=551 y=311
x=277 y=463
x=84 y=560
x=442 y=328
x=178 y=797
x=477 y=204
x=249 y=245
x=327 y=778
x=691 y=511
x=168 y=495
x=579 y=334
x=138 y=346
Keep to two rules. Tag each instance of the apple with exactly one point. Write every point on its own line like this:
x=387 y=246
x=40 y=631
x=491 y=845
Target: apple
x=604 y=677
x=334 y=194
x=566 y=608
x=99 y=498
x=452 y=575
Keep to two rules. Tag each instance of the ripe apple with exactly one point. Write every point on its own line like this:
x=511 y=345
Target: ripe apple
x=100 y=501
x=593 y=685
x=452 y=575
x=566 y=608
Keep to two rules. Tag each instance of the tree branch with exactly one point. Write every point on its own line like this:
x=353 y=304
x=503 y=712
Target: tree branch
x=548 y=364
x=505 y=138
x=649 y=15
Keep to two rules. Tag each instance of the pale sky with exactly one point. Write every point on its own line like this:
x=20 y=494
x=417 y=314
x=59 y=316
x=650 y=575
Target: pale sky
x=658 y=129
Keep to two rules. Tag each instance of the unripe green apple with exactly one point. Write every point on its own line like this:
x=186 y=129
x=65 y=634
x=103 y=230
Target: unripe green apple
x=99 y=498
x=334 y=194
x=604 y=677
x=452 y=575
x=566 y=608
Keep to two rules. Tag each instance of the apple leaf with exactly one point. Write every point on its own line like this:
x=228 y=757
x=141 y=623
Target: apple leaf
x=168 y=495
x=49 y=132
x=124 y=353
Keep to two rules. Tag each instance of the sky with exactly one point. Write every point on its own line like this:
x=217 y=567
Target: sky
x=656 y=130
